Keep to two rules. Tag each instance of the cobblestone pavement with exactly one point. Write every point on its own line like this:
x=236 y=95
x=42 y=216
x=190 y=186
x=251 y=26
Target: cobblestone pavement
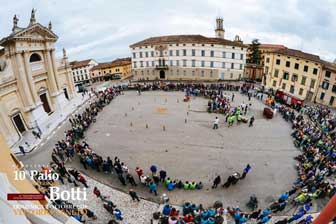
x=133 y=212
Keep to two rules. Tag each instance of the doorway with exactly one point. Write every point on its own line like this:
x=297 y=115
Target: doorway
x=18 y=122
x=45 y=103
x=331 y=102
x=162 y=74
x=66 y=93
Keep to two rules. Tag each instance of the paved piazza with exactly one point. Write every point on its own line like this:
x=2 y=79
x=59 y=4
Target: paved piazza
x=190 y=151
x=193 y=151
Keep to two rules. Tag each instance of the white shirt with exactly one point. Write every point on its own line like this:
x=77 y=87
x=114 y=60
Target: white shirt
x=217 y=121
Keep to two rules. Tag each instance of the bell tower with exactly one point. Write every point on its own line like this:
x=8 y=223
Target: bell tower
x=219 y=28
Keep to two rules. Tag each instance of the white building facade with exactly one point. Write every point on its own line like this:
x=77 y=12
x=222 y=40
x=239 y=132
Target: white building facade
x=81 y=70
x=189 y=57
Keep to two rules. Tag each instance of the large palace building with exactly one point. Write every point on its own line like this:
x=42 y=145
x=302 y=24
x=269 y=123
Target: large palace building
x=33 y=84
x=189 y=57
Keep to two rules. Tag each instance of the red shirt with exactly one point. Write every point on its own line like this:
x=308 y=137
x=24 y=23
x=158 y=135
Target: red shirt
x=139 y=172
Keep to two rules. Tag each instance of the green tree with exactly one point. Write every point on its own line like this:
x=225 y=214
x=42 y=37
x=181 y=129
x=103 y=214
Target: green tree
x=255 y=54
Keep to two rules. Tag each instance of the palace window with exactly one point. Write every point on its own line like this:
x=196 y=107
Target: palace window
x=203 y=53
x=170 y=53
x=286 y=76
x=211 y=64
x=212 y=53
x=152 y=53
x=146 y=54
x=291 y=90
x=184 y=63
x=274 y=83
x=224 y=54
x=203 y=63
x=177 y=63
x=300 y=91
x=232 y=65
x=325 y=85
x=241 y=56
x=312 y=83
x=276 y=73
x=283 y=85
x=296 y=66
x=303 y=80
x=327 y=74
x=134 y=55
x=184 y=52
x=305 y=68
x=277 y=61
x=35 y=57
x=241 y=66
x=223 y=64
x=334 y=88
x=315 y=71
x=233 y=56
x=322 y=96
x=193 y=52
x=287 y=64
x=267 y=60
x=177 y=53
x=140 y=54
x=294 y=77
x=193 y=63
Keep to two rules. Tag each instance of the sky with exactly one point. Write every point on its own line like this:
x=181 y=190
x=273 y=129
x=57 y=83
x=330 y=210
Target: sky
x=104 y=29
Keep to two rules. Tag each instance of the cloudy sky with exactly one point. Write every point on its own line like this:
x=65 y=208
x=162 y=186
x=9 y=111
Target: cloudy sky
x=103 y=29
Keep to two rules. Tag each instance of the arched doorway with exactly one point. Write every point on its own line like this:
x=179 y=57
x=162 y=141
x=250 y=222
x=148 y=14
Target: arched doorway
x=45 y=103
x=162 y=74
x=19 y=123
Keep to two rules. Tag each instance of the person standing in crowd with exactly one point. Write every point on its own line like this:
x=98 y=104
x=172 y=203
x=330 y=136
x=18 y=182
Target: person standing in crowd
x=139 y=172
x=22 y=150
x=130 y=179
x=216 y=182
x=134 y=195
x=251 y=121
x=216 y=122
x=153 y=169
x=232 y=98
x=82 y=180
x=153 y=188
x=245 y=171
x=163 y=175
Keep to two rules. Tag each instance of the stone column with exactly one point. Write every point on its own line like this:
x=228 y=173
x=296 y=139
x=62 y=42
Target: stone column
x=24 y=88
x=10 y=135
x=51 y=78
x=30 y=78
x=53 y=60
x=69 y=78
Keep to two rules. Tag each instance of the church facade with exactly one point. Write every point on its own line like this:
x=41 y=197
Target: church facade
x=33 y=83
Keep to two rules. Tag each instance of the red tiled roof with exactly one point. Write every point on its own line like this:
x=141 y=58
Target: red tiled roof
x=197 y=39
x=115 y=63
x=299 y=54
x=329 y=65
x=272 y=46
x=80 y=64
